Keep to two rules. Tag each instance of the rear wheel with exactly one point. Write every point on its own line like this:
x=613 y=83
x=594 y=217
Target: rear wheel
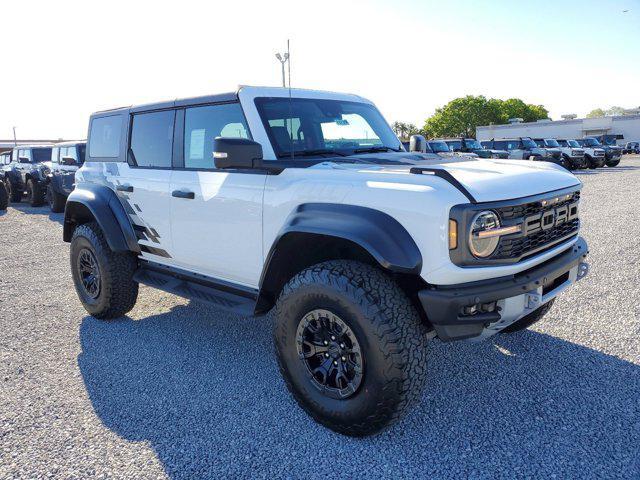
x=35 y=196
x=351 y=347
x=56 y=201
x=528 y=320
x=103 y=278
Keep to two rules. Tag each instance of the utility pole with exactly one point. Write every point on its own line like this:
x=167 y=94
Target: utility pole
x=15 y=141
x=283 y=58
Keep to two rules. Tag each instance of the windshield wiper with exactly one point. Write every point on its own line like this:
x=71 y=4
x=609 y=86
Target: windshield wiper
x=310 y=153
x=376 y=149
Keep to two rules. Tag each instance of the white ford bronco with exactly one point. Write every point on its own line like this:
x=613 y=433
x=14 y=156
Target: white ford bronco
x=306 y=204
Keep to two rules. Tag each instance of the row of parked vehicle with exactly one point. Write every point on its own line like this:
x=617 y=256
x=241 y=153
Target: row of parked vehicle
x=40 y=173
x=572 y=154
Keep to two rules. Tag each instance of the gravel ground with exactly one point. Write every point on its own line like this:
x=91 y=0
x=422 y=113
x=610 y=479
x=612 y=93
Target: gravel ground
x=181 y=390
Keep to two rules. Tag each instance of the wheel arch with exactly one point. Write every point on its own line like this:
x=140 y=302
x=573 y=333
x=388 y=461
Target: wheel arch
x=318 y=232
x=89 y=203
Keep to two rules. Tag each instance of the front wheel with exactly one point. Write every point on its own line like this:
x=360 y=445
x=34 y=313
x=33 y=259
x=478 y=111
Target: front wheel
x=4 y=197
x=103 y=278
x=15 y=195
x=35 y=196
x=350 y=346
x=56 y=201
x=591 y=163
x=613 y=163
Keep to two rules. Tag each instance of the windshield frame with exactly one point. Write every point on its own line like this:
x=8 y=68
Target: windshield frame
x=547 y=142
x=591 y=142
x=392 y=142
x=569 y=142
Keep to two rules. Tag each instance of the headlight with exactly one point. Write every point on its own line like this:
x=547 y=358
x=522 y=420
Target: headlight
x=482 y=246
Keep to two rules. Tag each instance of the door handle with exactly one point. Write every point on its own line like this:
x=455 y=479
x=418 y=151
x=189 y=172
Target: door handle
x=183 y=194
x=124 y=188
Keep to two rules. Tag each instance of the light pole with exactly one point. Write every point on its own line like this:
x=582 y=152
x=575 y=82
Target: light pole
x=15 y=141
x=284 y=58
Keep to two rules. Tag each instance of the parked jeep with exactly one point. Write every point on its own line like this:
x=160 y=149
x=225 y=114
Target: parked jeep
x=573 y=153
x=441 y=148
x=27 y=173
x=632 y=148
x=66 y=158
x=593 y=152
x=613 y=153
x=305 y=203
x=471 y=145
x=569 y=158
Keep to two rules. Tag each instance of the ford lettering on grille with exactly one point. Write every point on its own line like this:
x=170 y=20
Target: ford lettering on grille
x=549 y=219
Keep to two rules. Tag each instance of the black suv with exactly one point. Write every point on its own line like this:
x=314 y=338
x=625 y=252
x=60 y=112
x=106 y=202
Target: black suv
x=66 y=158
x=471 y=145
x=612 y=151
x=632 y=147
x=28 y=173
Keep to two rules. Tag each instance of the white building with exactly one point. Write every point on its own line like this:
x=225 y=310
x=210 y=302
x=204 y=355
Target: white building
x=626 y=128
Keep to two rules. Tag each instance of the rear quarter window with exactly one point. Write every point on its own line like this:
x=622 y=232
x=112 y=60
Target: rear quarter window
x=104 y=136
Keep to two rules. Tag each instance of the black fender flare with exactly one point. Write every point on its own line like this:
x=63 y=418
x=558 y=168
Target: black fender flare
x=103 y=205
x=376 y=232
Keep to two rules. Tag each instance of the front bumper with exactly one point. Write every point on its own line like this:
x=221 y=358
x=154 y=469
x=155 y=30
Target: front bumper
x=515 y=296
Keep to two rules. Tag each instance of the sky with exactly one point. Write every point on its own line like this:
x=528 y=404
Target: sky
x=63 y=60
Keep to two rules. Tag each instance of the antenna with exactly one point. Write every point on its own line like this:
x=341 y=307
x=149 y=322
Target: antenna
x=290 y=102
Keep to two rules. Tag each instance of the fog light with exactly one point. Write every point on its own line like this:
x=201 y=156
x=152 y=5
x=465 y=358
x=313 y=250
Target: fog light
x=470 y=310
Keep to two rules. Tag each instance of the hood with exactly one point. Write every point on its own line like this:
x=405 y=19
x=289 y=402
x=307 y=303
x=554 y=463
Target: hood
x=487 y=179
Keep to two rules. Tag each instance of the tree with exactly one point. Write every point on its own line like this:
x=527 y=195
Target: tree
x=461 y=116
x=404 y=130
x=599 y=112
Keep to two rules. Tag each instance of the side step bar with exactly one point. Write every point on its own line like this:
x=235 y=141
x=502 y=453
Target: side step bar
x=223 y=296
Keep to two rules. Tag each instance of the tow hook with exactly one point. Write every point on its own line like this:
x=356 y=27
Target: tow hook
x=583 y=270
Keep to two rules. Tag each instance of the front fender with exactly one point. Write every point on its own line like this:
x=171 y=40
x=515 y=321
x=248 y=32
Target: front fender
x=90 y=202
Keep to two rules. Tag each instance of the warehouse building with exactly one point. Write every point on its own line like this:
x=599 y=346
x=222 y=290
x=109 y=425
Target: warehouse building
x=624 y=128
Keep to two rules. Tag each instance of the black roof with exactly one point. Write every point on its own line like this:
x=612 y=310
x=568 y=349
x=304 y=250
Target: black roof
x=179 y=102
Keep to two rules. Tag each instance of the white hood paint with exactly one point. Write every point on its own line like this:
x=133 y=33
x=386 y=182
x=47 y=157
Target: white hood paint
x=487 y=180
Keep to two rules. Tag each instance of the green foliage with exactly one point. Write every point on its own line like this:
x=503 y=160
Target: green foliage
x=461 y=116
x=599 y=112
x=404 y=130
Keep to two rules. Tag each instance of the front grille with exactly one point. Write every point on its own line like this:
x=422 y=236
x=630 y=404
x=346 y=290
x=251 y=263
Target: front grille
x=518 y=246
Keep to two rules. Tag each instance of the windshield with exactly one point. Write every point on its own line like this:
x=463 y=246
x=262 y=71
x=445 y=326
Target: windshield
x=454 y=145
x=609 y=140
x=41 y=155
x=573 y=143
x=439 y=147
x=551 y=142
x=539 y=142
x=473 y=143
x=528 y=143
x=312 y=127
x=591 y=142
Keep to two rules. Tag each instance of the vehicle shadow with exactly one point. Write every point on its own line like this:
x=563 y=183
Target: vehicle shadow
x=43 y=210
x=621 y=168
x=203 y=389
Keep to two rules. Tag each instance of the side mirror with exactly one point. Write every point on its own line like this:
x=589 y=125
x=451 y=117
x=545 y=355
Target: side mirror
x=417 y=143
x=69 y=161
x=23 y=160
x=236 y=153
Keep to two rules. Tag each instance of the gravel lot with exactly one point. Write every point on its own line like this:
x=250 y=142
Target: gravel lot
x=180 y=390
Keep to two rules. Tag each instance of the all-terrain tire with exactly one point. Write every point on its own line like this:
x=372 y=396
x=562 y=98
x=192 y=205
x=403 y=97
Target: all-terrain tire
x=56 y=201
x=528 y=320
x=35 y=196
x=591 y=162
x=4 y=197
x=15 y=196
x=613 y=163
x=388 y=329
x=117 y=291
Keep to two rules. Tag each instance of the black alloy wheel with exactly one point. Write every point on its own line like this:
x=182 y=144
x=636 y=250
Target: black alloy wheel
x=331 y=353
x=89 y=273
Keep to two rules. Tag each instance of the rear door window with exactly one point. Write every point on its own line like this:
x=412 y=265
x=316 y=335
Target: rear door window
x=152 y=139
